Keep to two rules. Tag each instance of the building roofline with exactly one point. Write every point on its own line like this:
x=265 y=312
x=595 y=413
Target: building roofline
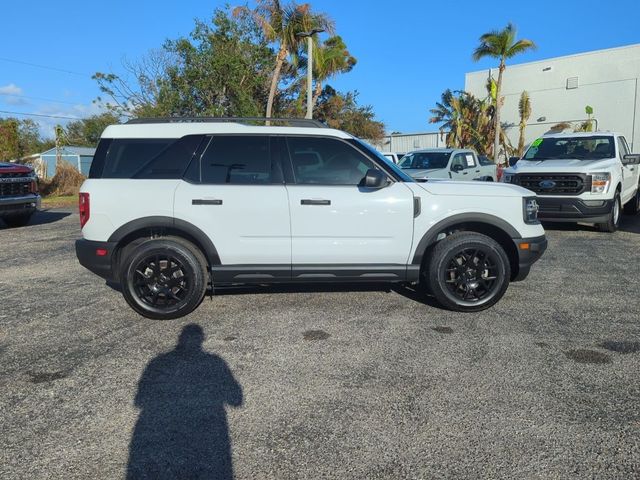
x=573 y=55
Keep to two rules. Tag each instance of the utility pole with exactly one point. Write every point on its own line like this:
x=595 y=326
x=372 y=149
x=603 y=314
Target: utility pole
x=309 y=37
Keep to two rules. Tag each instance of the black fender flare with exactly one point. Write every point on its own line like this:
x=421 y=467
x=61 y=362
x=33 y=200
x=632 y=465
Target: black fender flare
x=431 y=235
x=175 y=224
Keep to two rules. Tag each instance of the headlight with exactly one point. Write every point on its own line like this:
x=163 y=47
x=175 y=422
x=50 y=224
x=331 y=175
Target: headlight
x=530 y=210
x=507 y=177
x=600 y=182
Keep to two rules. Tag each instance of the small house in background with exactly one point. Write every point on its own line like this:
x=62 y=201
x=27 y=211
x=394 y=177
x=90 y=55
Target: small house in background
x=79 y=157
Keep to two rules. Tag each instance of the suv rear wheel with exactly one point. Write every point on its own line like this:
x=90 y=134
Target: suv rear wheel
x=468 y=272
x=164 y=278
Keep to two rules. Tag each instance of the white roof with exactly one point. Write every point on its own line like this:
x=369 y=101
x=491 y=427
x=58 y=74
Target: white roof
x=177 y=130
x=582 y=134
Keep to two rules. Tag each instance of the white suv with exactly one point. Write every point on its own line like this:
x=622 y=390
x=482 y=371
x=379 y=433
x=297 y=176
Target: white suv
x=580 y=177
x=175 y=206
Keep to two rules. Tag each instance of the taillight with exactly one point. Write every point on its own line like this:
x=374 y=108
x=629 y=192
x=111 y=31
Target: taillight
x=83 y=208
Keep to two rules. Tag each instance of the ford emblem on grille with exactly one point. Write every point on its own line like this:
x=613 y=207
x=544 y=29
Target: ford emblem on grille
x=546 y=184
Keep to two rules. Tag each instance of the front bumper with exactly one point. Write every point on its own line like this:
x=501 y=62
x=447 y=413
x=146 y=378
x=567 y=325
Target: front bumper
x=19 y=205
x=102 y=265
x=553 y=209
x=529 y=251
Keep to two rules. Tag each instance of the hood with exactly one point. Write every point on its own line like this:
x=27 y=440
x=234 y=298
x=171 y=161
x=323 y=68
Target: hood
x=14 y=168
x=560 y=165
x=475 y=189
x=421 y=173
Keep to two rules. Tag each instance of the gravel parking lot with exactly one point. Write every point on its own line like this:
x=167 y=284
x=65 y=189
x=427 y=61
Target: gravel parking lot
x=353 y=382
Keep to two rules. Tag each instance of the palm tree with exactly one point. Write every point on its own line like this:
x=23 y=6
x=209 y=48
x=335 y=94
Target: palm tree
x=281 y=24
x=500 y=44
x=524 y=109
x=329 y=59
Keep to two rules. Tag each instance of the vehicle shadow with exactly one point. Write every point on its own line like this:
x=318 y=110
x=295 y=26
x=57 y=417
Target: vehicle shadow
x=182 y=430
x=628 y=223
x=41 y=217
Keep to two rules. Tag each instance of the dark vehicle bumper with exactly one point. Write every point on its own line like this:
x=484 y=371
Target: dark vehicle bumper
x=573 y=210
x=102 y=265
x=19 y=205
x=529 y=251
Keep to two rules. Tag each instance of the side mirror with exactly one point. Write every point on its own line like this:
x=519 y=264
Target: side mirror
x=457 y=168
x=374 y=179
x=631 y=159
x=513 y=161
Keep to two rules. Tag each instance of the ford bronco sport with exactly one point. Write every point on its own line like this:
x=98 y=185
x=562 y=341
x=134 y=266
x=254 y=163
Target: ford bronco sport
x=175 y=206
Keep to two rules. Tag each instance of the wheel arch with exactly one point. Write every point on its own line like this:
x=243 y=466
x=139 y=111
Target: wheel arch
x=148 y=227
x=489 y=225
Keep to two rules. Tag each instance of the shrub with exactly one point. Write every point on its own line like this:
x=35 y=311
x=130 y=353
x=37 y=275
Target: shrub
x=66 y=181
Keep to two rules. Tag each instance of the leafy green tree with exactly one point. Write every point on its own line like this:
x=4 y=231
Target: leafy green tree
x=19 y=138
x=87 y=132
x=281 y=24
x=524 y=109
x=502 y=45
x=330 y=59
x=9 y=139
x=341 y=111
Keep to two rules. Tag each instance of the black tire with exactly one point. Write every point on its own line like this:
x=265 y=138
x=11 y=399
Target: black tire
x=613 y=221
x=454 y=278
x=633 y=206
x=18 y=220
x=164 y=278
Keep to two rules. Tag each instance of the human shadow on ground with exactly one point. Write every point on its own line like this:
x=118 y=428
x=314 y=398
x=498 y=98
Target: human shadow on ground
x=182 y=430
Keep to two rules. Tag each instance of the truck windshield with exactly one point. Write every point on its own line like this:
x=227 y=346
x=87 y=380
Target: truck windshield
x=581 y=148
x=424 y=160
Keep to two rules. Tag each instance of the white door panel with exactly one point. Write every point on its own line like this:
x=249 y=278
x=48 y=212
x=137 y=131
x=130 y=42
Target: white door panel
x=346 y=224
x=248 y=224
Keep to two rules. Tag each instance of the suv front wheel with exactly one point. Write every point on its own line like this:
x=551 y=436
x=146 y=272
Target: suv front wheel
x=164 y=278
x=468 y=272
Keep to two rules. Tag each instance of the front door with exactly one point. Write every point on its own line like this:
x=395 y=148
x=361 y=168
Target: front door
x=339 y=228
x=235 y=193
x=463 y=166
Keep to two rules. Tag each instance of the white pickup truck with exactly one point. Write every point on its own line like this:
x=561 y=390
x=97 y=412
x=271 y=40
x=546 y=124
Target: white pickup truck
x=454 y=164
x=580 y=177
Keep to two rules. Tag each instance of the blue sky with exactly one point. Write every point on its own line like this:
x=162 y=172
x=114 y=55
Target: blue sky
x=408 y=51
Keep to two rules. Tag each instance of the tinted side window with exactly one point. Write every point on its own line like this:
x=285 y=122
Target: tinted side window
x=127 y=156
x=172 y=161
x=243 y=160
x=99 y=158
x=459 y=161
x=622 y=148
x=326 y=161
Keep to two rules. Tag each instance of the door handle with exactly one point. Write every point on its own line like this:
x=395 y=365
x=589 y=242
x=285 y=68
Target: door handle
x=465 y=173
x=204 y=201
x=311 y=201
x=477 y=171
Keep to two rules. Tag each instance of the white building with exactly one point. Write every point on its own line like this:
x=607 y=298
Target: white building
x=560 y=89
x=406 y=142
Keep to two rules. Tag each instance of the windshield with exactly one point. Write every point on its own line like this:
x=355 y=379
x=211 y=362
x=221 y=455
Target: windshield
x=580 y=148
x=424 y=160
x=388 y=162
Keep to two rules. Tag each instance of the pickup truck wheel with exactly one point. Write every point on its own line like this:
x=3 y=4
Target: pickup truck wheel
x=18 y=220
x=164 y=278
x=468 y=272
x=633 y=206
x=612 y=223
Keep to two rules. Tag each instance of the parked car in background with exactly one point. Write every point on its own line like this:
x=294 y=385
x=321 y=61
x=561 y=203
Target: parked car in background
x=393 y=156
x=454 y=164
x=580 y=177
x=19 y=198
x=173 y=207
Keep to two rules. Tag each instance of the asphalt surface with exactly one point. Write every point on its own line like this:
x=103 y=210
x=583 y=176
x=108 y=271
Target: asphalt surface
x=344 y=383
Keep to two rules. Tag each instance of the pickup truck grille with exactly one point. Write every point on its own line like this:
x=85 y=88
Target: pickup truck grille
x=14 y=184
x=554 y=184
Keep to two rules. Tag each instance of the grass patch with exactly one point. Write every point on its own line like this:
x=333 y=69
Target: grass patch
x=57 y=201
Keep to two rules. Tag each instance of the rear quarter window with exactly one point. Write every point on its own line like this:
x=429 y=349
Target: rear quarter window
x=123 y=158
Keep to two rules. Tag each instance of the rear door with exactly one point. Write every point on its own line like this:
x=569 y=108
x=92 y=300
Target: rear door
x=234 y=192
x=338 y=227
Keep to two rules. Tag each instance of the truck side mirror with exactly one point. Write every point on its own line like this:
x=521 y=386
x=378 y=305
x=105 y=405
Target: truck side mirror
x=513 y=161
x=374 y=179
x=457 y=168
x=631 y=159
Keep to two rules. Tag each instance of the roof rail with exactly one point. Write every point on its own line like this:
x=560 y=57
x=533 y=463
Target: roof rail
x=293 y=122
